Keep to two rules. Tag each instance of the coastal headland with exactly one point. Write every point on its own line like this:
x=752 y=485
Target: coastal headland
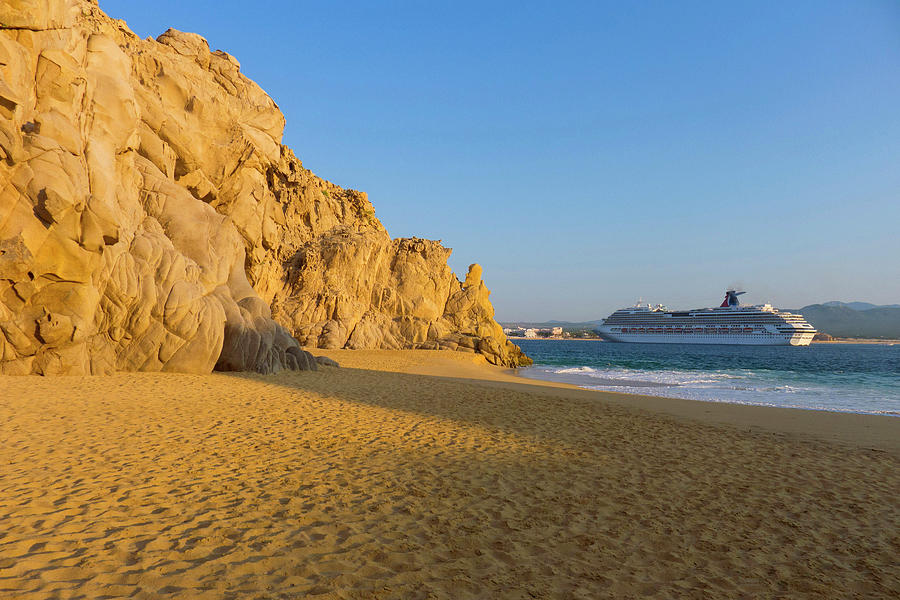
x=432 y=474
x=152 y=220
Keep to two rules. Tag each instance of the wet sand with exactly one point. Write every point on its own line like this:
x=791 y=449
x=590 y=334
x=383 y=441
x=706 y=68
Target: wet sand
x=433 y=475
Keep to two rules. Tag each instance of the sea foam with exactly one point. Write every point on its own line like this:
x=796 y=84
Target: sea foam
x=850 y=378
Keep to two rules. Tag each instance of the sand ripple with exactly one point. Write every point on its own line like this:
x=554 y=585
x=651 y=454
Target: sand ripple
x=356 y=484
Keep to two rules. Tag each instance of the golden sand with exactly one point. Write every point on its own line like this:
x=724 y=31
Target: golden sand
x=379 y=480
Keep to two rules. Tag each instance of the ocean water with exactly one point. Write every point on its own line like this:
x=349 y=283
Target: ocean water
x=859 y=378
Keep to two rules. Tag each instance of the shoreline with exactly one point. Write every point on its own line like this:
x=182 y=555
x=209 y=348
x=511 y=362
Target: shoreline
x=675 y=381
x=865 y=430
x=652 y=385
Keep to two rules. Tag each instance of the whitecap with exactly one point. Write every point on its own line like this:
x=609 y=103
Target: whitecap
x=576 y=370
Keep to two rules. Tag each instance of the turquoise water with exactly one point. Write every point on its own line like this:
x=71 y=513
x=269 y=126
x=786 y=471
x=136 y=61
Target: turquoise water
x=860 y=378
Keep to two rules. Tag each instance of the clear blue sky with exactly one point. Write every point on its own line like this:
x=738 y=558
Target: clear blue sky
x=587 y=153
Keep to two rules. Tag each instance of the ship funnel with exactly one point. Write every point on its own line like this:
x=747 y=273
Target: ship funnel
x=731 y=298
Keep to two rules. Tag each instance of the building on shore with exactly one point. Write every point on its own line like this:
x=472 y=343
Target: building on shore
x=535 y=332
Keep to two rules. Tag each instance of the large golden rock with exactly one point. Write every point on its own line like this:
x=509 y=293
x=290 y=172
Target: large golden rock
x=150 y=218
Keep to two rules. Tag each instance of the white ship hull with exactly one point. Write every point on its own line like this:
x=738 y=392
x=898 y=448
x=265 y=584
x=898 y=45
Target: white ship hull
x=729 y=323
x=753 y=339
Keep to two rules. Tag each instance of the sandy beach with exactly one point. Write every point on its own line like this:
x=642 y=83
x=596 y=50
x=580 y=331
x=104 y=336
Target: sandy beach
x=433 y=475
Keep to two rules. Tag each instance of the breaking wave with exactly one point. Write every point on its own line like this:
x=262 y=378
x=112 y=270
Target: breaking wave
x=802 y=379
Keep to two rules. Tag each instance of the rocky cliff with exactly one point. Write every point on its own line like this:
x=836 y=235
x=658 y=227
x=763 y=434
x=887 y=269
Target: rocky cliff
x=150 y=218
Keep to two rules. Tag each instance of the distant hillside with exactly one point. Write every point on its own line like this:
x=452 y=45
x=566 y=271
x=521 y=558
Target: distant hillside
x=840 y=320
x=859 y=305
x=548 y=324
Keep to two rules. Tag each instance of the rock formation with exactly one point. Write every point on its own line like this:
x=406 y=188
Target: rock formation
x=150 y=218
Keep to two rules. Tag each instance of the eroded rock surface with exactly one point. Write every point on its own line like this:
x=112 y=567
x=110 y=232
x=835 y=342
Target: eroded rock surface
x=150 y=218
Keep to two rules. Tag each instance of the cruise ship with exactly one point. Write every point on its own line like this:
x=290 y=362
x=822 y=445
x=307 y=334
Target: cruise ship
x=729 y=323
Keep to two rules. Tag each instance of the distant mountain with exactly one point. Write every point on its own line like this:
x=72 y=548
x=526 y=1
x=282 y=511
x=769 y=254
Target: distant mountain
x=842 y=320
x=859 y=305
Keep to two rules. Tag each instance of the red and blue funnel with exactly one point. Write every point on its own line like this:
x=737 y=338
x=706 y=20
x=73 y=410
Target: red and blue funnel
x=731 y=299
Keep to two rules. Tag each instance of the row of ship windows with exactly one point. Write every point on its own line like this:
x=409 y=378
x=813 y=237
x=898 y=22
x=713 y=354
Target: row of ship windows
x=724 y=315
x=696 y=321
x=698 y=330
x=706 y=316
x=699 y=321
x=711 y=317
x=753 y=316
x=645 y=323
x=714 y=334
